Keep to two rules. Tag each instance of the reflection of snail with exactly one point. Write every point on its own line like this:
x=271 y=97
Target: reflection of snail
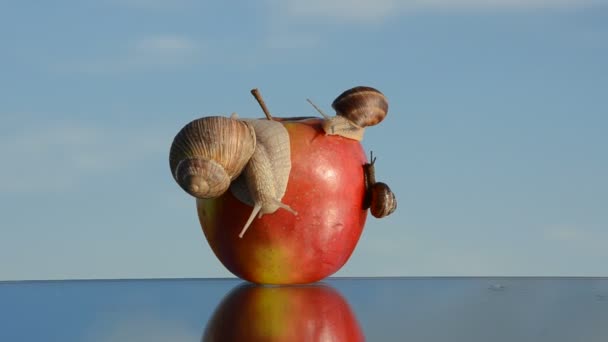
x=356 y=109
x=211 y=152
x=379 y=198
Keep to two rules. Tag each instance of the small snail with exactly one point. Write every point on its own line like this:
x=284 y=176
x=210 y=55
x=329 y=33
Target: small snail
x=379 y=198
x=208 y=153
x=356 y=109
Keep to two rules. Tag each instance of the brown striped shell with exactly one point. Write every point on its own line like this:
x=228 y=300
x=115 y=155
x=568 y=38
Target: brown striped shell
x=363 y=106
x=210 y=152
x=383 y=201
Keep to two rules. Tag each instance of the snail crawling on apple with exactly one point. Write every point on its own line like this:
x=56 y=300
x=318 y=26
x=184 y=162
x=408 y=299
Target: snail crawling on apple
x=284 y=200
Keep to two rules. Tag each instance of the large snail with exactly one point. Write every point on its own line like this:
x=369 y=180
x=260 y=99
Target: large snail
x=379 y=198
x=356 y=108
x=208 y=154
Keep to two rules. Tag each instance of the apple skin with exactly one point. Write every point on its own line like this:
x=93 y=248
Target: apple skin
x=284 y=313
x=326 y=187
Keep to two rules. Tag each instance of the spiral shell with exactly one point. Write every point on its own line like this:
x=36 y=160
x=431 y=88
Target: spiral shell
x=363 y=106
x=202 y=178
x=210 y=152
x=383 y=201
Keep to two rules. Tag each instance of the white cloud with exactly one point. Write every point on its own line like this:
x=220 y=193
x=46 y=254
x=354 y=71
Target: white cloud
x=52 y=157
x=344 y=9
x=291 y=41
x=153 y=4
x=163 y=50
x=152 y=52
x=579 y=238
x=165 y=43
x=502 y=3
x=365 y=10
x=567 y=234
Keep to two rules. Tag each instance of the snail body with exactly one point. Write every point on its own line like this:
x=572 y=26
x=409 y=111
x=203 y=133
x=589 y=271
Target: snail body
x=356 y=108
x=264 y=180
x=203 y=167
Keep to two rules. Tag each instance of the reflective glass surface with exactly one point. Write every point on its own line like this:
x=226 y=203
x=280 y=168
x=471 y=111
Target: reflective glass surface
x=340 y=309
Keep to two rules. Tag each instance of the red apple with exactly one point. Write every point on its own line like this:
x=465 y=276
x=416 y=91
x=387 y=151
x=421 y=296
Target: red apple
x=326 y=188
x=285 y=313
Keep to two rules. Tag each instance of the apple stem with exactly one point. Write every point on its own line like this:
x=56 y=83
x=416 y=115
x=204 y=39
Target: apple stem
x=325 y=116
x=258 y=96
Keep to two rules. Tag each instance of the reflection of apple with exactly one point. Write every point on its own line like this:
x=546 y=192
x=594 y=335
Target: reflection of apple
x=326 y=187
x=283 y=313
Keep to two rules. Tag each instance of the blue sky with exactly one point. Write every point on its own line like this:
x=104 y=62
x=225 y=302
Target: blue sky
x=495 y=142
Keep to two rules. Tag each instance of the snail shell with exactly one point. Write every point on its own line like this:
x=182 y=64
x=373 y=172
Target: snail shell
x=383 y=201
x=363 y=106
x=264 y=180
x=356 y=108
x=208 y=153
